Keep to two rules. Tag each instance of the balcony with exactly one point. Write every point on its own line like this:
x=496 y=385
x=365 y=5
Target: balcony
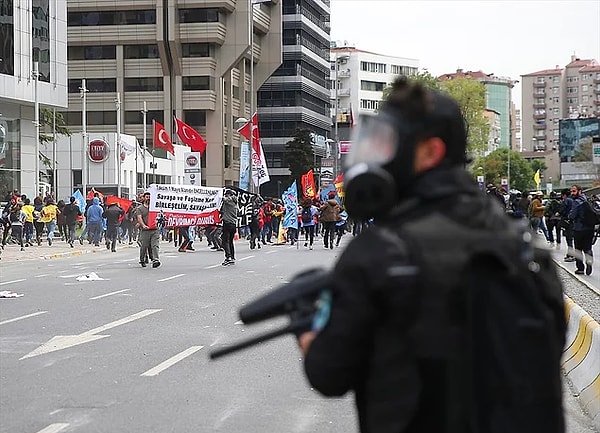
x=539 y=148
x=597 y=91
x=539 y=94
x=539 y=105
x=343 y=92
x=539 y=126
x=597 y=79
x=344 y=73
x=539 y=116
x=539 y=85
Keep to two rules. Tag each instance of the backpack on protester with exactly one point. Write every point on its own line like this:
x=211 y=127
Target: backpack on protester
x=591 y=213
x=306 y=215
x=496 y=324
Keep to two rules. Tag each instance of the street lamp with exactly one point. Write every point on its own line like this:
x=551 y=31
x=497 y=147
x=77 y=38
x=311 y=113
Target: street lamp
x=83 y=90
x=37 y=128
x=144 y=115
x=337 y=58
x=118 y=144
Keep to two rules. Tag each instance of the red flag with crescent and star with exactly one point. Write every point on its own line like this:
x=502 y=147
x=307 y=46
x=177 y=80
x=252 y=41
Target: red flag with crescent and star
x=190 y=136
x=162 y=139
x=251 y=129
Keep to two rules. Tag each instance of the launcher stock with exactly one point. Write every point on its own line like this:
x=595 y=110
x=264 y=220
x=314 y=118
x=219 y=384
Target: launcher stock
x=297 y=299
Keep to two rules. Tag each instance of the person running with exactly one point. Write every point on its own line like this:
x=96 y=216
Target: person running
x=17 y=218
x=330 y=215
x=48 y=217
x=71 y=212
x=113 y=215
x=308 y=216
x=28 y=226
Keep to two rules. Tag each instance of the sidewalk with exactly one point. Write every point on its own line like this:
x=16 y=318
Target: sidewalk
x=12 y=253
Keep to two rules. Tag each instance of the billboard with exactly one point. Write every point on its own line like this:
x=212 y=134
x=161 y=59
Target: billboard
x=576 y=135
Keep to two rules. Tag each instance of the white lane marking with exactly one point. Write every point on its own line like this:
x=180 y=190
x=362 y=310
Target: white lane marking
x=271 y=252
x=73 y=284
x=69 y=276
x=54 y=428
x=13 y=281
x=212 y=266
x=171 y=278
x=23 y=317
x=244 y=258
x=171 y=361
x=109 y=294
x=41 y=276
x=60 y=342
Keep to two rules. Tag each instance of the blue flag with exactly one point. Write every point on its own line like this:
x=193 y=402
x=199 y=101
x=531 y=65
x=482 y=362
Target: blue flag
x=80 y=200
x=290 y=201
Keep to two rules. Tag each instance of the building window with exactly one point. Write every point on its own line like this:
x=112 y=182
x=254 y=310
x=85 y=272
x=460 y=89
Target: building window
x=145 y=51
x=136 y=117
x=40 y=32
x=149 y=84
x=572 y=100
x=197 y=50
x=102 y=117
x=572 y=79
x=197 y=83
x=402 y=70
x=555 y=90
x=194 y=117
x=540 y=80
x=235 y=92
x=198 y=15
x=369 y=104
x=372 y=86
x=91 y=52
x=585 y=98
x=555 y=132
x=556 y=79
x=7 y=49
x=572 y=89
x=77 y=177
x=584 y=87
x=95 y=85
x=373 y=67
x=113 y=18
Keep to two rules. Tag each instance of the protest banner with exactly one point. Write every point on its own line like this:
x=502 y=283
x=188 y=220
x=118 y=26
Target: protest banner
x=185 y=205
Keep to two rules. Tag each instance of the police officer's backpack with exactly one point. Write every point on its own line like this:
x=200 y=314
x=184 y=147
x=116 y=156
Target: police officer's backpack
x=492 y=314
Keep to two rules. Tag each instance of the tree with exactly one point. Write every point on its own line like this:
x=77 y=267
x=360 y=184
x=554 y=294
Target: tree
x=495 y=168
x=51 y=125
x=538 y=164
x=471 y=97
x=299 y=154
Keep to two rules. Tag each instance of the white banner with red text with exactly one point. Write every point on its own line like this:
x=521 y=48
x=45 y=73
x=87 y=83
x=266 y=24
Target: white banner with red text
x=184 y=205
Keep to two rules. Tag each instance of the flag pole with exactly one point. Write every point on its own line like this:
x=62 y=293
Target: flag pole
x=144 y=114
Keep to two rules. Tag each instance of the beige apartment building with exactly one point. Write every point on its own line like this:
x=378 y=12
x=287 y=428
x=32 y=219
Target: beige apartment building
x=184 y=58
x=553 y=94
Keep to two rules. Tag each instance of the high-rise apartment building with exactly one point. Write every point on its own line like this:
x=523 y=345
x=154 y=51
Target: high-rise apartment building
x=296 y=96
x=184 y=58
x=498 y=99
x=553 y=94
x=34 y=31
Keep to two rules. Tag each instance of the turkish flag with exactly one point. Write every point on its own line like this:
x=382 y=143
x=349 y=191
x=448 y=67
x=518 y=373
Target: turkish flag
x=162 y=139
x=190 y=136
x=250 y=129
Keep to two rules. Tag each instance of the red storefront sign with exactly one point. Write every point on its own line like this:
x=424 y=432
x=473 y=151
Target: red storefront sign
x=98 y=150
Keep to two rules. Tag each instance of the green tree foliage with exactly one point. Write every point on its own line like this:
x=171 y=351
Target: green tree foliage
x=538 y=164
x=299 y=154
x=470 y=95
x=495 y=168
x=49 y=126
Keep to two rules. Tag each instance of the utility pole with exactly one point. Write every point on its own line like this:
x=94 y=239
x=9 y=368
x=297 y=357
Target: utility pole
x=37 y=129
x=251 y=39
x=144 y=114
x=336 y=135
x=84 y=160
x=118 y=144
x=54 y=174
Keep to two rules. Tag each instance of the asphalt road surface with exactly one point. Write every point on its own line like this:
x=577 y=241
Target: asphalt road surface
x=129 y=352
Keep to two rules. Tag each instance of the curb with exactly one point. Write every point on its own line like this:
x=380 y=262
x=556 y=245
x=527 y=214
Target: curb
x=581 y=358
x=581 y=355
x=59 y=255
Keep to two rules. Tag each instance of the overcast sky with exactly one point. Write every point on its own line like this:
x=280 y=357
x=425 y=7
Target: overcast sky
x=508 y=38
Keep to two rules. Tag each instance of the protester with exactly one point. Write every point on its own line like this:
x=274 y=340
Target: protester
x=396 y=322
x=48 y=217
x=149 y=235
x=71 y=212
x=229 y=213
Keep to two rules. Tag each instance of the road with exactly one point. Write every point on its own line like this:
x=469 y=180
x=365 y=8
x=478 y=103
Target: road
x=129 y=352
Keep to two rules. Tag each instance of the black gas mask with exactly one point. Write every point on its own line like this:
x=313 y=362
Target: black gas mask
x=379 y=165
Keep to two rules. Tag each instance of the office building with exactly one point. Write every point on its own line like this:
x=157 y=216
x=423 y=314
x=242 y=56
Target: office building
x=184 y=58
x=34 y=33
x=296 y=96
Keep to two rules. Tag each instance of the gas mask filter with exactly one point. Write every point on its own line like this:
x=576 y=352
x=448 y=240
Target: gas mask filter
x=380 y=156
